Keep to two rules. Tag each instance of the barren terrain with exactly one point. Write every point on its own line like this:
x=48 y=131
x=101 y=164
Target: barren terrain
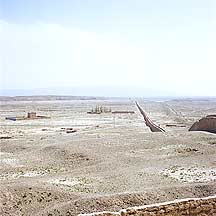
x=112 y=161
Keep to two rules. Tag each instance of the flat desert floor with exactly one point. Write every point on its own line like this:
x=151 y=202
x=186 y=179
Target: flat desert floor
x=111 y=162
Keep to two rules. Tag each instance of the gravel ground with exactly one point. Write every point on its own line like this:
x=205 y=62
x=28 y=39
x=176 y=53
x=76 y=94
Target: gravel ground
x=112 y=162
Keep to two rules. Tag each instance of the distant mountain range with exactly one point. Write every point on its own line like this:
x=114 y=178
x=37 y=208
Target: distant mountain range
x=91 y=93
x=47 y=98
x=99 y=91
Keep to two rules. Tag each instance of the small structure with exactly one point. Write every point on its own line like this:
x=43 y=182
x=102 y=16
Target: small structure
x=68 y=130
x=11 y=118
x=123 y=112
x=99 y=110
x=175 y=125
x=30 y=115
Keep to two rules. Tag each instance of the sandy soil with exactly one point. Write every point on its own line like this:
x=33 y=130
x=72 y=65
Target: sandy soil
x=111 y=162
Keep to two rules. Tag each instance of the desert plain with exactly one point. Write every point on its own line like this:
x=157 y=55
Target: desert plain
x=110 y=161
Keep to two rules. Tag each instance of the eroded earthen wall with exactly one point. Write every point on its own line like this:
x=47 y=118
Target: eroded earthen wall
x=205 y=124
x=192 y=207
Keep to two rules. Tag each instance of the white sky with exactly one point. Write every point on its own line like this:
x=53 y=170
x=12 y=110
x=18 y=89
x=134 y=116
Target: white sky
x=44 y=54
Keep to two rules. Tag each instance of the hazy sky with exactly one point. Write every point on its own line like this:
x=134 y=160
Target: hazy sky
x=165 y=46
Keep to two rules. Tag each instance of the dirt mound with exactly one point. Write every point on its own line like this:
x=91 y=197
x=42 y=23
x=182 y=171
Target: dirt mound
x=8 y=202
x=118 y=201
x=63 y=155
x=207 y=123
x=27 y=200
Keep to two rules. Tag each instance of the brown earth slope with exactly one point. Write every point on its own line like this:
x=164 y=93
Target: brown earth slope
x=207 y=123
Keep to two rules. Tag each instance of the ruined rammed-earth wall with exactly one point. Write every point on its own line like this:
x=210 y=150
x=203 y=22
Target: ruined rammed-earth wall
x=192 y=207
